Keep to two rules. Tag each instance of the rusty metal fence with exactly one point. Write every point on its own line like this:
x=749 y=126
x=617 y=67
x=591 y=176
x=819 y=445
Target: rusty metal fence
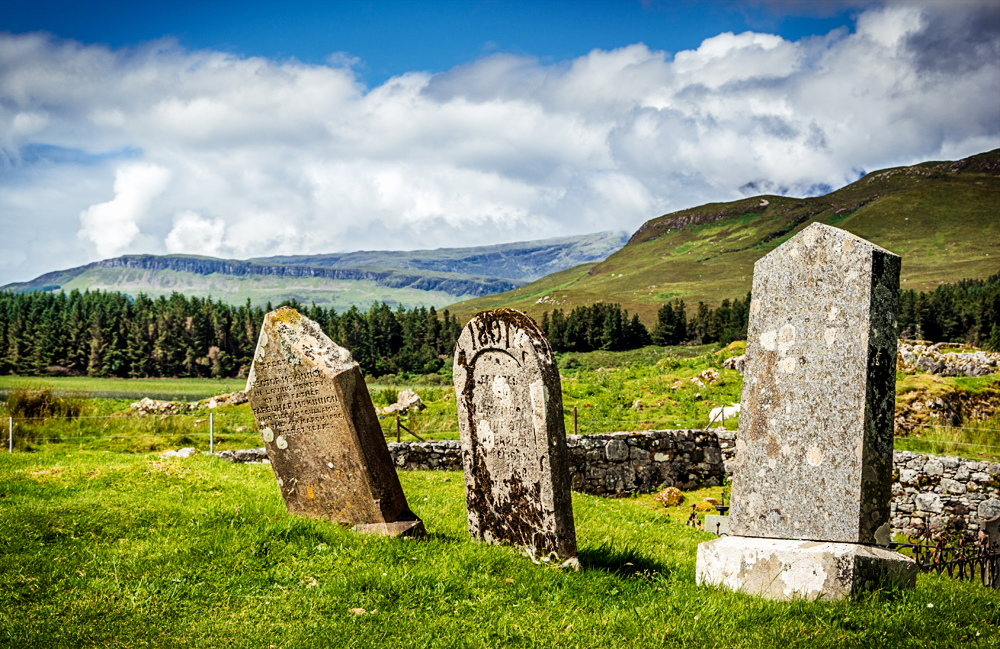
x=974 y=562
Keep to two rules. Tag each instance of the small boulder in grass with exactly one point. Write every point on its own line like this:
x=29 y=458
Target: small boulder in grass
x=713 y=501
x=669 y=497
x=184 y=452
x=709 y=376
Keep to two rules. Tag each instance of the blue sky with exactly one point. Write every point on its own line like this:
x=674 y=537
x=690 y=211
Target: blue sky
x=247 y=129
x=393 y=37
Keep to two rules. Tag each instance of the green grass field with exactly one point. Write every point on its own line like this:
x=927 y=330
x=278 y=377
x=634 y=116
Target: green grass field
x=133 y=550
x=644 y=389
x=166 y=389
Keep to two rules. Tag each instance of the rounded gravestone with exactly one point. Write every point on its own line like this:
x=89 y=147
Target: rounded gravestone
x=513 y=437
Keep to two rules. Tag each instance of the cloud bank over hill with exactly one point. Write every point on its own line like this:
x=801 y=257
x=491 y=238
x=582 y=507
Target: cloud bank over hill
x=158 y=149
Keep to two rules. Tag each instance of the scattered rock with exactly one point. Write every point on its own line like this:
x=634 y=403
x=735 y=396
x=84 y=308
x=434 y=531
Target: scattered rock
x=147 y=406
x=184 y=452
x=709 y=376
x=735 y=363
x=244 y=456
x=670 y=497
x=404 y=401
x=228 y=399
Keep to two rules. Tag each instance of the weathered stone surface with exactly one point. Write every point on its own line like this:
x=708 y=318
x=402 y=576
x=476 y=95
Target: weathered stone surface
x=320 y=430
x=513 y=441
x=787 y=569
x=989 y=509
x=992 y=529
x=814 y=449
x=717 y=524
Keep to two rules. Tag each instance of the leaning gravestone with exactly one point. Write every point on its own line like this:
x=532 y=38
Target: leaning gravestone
x=320 y=430
x=510 y=415
x=813 y=468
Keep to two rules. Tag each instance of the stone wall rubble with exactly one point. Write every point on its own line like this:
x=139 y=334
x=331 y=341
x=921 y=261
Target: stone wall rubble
x=912 y=358
x=612 y=464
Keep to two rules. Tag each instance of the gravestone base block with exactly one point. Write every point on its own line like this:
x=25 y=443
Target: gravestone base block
x=785 y=569
x=396 y=528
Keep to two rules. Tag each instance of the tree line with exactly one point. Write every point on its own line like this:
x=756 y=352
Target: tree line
x=108 y=334
x=966 y=311
x=608 y=326
x=598 y=326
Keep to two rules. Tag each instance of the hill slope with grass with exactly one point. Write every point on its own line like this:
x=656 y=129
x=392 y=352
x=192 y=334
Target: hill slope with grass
x=943 y=218
x=411 y=278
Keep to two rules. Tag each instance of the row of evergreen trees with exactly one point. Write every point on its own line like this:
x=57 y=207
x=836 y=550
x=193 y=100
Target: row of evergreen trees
x=722 y=325
x=108 y=334
x=607 y=326
x=599 y=326
x=966 y=311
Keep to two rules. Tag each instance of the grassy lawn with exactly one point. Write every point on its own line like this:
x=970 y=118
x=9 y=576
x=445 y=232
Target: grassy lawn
x=166 y=389
x=129 y=550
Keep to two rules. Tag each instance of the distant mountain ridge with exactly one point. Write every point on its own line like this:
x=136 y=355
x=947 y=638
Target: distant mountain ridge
x=412 y=278
x=388 y=277
x=523 y=261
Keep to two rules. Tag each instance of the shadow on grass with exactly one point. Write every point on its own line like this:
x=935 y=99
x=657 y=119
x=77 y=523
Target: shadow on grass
x=622 y=561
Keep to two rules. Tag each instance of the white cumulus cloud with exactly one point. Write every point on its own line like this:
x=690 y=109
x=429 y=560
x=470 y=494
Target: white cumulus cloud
x=194 y=234
x=209 y=153
x=113 y=225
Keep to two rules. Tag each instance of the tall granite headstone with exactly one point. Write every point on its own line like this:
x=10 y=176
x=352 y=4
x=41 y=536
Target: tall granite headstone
x=813 y=468
x=510 y=416
x=320 y=429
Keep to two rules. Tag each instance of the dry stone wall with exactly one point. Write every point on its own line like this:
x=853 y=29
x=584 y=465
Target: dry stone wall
x=617 y=463
x=942 y=494
x=609 y=464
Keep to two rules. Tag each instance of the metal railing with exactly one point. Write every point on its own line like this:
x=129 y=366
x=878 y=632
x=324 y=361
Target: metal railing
x=967 y=562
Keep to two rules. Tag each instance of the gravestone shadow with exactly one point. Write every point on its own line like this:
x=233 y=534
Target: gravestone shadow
x=622 y=561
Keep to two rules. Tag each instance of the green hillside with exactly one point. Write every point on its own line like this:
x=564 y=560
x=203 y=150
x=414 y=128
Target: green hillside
x=943 y=218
